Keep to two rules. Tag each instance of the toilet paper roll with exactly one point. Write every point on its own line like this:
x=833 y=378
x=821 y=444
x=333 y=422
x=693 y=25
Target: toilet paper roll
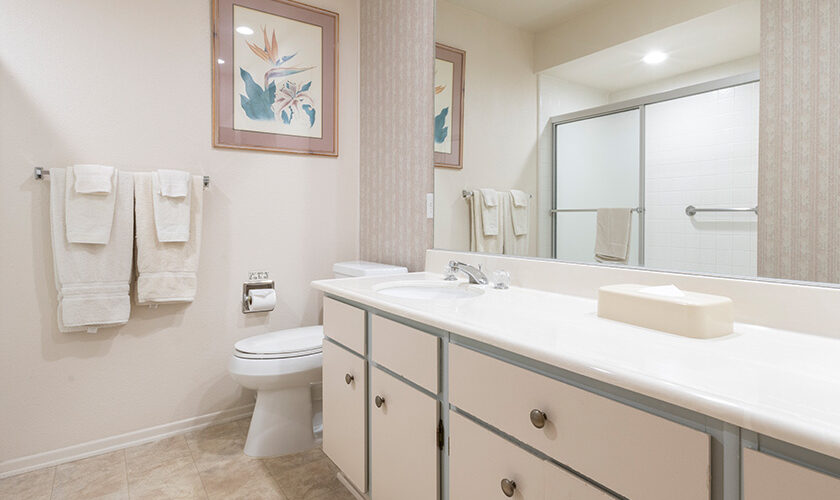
x=262 y=299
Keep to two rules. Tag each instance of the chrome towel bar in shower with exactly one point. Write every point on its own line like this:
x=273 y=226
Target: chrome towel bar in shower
x=40 y=173
x=558 y=210
x=691 y=210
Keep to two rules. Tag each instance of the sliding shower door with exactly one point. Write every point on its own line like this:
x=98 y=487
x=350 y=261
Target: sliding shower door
x=597 y=165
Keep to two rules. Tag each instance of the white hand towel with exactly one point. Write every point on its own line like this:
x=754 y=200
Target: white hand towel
x=92 y=280
x=93 y=179
x=88 y=215
x=166 y=271
x=519 y=211
x=172 y=212
x=479 y=242
x=612 y=236
x=514 y=243
x=490 y=213
x=174 y=183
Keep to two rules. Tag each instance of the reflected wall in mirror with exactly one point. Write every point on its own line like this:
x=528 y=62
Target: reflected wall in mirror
x=651 y=142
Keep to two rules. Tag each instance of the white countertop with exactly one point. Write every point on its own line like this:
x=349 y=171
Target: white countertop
x=779 y=383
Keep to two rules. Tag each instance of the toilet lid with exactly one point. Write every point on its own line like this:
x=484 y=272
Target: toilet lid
x=283 y=343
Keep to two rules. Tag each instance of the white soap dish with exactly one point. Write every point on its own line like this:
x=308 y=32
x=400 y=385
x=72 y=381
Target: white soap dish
x=668 y=309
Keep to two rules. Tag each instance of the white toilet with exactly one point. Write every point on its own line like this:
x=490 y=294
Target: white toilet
x=284 y=367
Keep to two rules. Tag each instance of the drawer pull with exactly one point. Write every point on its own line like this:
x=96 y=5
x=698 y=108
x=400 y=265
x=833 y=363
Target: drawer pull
x=538 y=418
x=379 y=401
x=348 y=378
x=508 y=487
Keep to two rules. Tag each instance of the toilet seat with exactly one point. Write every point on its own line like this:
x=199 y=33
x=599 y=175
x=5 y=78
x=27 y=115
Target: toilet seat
x=282 y=344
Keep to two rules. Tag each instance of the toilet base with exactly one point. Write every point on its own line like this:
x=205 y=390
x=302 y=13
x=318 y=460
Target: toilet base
x=281 y=424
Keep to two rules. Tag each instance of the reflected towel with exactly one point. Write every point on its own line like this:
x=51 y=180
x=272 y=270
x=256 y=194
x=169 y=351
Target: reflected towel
x=172 y=210
x=515 y=243
x=612 y=237
x=490 y=213
x=88 y=204
x=479 y=242
x=519 y=211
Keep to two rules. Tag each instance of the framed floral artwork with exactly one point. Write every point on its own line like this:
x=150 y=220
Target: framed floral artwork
x=275 y=77
x=449 y=105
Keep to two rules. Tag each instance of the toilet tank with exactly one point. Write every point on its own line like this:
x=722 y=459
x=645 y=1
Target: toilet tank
x=358 y=268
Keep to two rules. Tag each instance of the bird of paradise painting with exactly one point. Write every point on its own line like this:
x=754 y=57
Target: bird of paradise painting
x=278 y=82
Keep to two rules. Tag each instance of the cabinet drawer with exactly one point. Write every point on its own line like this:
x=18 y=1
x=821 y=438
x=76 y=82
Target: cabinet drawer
x=770 y=478
x=403 y=442
x=479 y=460
x=636 y=454
x=345 y=324
x=345 y=428
x=406 y=351
x=561 y=484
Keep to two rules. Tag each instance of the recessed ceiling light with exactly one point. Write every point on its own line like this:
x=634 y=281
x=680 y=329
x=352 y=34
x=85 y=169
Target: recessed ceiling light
x=244 y=30
x=220 y=61
x=654 y=57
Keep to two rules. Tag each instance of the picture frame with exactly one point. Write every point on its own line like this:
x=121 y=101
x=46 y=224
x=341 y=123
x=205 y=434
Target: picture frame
x=449 y=106
x=275 y=77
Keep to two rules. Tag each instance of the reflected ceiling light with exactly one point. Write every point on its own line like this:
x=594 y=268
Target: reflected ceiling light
x=220 y=61
x=654 y=57
x=244 y=30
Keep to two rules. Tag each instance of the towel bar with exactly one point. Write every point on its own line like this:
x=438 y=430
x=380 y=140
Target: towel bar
x=467 y=194
x=691 y=210
x=40 y=173
x=559 y=210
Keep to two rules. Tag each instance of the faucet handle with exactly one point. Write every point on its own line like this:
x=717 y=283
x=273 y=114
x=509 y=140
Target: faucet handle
x=449 y=274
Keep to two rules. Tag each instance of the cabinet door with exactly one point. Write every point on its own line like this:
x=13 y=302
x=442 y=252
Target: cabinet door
x=345 y=429
x=479 y=461
x=770 y=478
x=403 y=441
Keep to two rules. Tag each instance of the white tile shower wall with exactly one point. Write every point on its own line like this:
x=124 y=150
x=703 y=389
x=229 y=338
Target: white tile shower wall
x=703 y=151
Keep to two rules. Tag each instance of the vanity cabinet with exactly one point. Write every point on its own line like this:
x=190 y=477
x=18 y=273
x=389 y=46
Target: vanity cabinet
x=344 y=407
x=403 y=440
x=770 y=478
x=345 y=324
x=633 y=453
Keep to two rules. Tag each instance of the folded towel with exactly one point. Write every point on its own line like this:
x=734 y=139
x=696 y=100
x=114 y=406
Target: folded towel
x=172 y=213
x=174 y=183
x=166 y=271
x=514 y=243
x=612 y=237
x=479 y=242
x=93 y=179
x=92 y=280
x=88 y=215
x=490 y=212
x=519 y=211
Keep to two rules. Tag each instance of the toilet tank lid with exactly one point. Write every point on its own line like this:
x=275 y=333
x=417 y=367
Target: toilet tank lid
x=363 y=268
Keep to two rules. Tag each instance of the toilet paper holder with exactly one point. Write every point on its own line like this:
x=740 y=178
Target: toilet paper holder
x=254 y=285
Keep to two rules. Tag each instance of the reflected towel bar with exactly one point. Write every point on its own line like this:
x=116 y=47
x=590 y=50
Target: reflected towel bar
x=467 y=194
x=40 y=173
x=691 y=210
x=638 y=210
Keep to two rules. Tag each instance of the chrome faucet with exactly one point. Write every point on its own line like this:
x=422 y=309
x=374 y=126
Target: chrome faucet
x=475 y=274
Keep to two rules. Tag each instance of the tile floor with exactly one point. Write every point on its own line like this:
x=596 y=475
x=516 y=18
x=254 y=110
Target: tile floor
x=207 y=463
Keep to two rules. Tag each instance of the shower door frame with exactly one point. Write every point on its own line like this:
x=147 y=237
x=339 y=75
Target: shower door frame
x=639 y=103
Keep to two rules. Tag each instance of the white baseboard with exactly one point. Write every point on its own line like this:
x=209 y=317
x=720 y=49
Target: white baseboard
x=347 y=484
x=99 y=446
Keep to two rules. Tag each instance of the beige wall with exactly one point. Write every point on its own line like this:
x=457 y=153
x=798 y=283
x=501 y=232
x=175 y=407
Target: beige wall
x=500 y=119
x=397 y=57
x=799 y=155
x=129 y=84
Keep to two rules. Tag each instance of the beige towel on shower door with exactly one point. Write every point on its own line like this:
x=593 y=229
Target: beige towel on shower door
x=612 y=236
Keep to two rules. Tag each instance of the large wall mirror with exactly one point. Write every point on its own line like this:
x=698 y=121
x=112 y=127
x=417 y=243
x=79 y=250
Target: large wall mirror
x=628 y=133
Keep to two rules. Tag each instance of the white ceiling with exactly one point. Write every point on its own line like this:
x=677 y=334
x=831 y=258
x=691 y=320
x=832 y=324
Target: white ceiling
x=722 y=36
x=530 y=15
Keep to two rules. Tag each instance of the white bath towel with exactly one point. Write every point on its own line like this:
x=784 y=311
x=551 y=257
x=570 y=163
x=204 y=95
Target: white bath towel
x=88 y=208
x=479 y=242
x=92 y=280
x=166 y=271
x=490 y=211
x=514 y=243
x=171 y=199
x=519 y=211
x=612 y=236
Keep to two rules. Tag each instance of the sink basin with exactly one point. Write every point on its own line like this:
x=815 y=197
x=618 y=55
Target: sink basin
x=429 y=290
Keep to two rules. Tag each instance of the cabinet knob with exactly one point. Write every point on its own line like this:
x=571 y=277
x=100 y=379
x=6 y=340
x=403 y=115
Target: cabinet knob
x=348 y=378
x=508 y=487
x=538 y=418
x=379 y=401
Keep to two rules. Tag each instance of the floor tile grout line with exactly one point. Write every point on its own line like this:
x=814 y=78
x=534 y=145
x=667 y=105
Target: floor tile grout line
x=195 y=466
x=52 y=485
x=125 y=473
x=273 y=478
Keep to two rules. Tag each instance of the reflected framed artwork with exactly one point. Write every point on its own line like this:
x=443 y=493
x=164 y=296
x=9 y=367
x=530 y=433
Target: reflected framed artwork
x=449 y=105
x=275 y=77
